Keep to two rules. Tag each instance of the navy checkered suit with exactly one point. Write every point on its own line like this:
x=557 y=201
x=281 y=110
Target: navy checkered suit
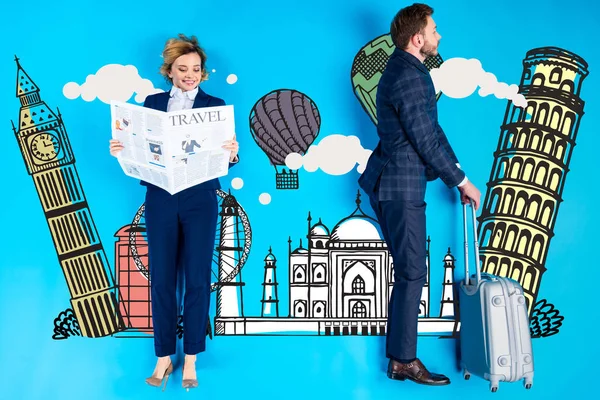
x=413 y=147
x=412 y=150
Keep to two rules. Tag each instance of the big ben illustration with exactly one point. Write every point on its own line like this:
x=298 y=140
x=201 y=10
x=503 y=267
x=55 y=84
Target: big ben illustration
x=530 y=168
x=49 y=160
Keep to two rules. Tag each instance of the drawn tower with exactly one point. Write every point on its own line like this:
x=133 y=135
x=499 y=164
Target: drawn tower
x=270 y=301
x=229 y=290
x=447 y=307
x=49 y=160
x=530 y=167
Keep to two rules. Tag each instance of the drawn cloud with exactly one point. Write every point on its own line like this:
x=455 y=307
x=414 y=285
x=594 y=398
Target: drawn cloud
x=459 y=78
x=112 y=82
x=334 y=155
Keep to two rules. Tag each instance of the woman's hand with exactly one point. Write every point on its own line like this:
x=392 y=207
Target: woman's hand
x=115 y=147
x=233 y=146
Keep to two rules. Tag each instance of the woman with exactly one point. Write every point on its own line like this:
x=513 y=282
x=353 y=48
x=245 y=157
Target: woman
x=181 y=227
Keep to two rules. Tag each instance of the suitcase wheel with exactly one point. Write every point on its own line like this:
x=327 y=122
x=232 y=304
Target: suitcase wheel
x=528 y=386
x=466 y=375
x=493 y=388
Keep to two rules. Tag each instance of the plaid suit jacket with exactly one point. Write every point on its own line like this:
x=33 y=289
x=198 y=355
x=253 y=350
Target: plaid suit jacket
x=412 y=146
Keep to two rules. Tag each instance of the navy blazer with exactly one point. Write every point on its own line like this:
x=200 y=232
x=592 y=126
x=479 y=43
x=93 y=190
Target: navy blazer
x=160 y=101
x=412 y=146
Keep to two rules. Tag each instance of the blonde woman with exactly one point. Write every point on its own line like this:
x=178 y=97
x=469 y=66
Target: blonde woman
x=181 y=227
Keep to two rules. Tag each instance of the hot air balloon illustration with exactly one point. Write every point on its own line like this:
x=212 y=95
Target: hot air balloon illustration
x=369 y=63
x=282 y=122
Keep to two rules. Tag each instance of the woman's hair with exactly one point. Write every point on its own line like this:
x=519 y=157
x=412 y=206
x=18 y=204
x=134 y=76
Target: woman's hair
x=177 y=47
x=408 y=22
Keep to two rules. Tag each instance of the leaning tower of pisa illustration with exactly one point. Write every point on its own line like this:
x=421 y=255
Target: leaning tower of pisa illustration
x=530 y=168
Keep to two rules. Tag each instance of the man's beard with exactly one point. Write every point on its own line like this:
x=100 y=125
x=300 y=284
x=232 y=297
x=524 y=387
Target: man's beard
x=429 y=50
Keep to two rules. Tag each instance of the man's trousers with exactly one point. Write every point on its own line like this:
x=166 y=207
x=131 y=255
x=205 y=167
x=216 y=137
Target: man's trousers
x=403 y=227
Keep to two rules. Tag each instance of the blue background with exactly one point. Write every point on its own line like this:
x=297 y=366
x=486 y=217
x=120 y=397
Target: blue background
x=308 y=46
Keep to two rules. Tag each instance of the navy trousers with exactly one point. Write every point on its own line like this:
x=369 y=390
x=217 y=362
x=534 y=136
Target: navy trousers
x=181 y=230
x=403 y=227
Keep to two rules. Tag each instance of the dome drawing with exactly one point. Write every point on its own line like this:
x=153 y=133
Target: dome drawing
x=319 y=229
x=357 y=226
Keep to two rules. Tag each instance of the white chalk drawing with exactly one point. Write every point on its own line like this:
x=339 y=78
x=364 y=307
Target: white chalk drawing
x=334 y=154
x=340 y=284
x=460 y=77
x=112 y=82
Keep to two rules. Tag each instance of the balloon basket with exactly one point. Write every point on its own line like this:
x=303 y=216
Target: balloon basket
x=286 y=180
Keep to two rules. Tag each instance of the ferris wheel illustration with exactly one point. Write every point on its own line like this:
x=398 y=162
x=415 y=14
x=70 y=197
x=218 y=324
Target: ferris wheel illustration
x=233 y=233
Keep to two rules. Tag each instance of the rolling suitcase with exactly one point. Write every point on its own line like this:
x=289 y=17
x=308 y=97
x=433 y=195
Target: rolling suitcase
x=495 y=342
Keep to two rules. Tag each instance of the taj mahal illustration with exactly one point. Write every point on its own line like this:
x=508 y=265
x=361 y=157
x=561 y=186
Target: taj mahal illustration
x=340 y=284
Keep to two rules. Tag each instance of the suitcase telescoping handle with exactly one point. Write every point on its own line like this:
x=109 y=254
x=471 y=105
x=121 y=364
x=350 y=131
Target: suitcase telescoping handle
x=476 y=244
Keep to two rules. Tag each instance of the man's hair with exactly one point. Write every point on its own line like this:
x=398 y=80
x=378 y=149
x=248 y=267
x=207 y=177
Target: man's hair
x=177 y=47
x=408 y=22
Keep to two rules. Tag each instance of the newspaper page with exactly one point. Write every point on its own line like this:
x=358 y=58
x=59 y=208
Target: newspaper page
x=173 y=150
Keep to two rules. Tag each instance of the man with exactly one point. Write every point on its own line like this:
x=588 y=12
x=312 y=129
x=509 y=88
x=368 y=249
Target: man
x=412 y=150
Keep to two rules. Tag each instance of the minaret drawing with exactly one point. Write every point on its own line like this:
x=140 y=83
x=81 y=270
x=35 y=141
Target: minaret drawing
x=309 y=271
x=270 y=301
x=447 y=308
x=229 y=291
x=530 y=167
x=49 y=160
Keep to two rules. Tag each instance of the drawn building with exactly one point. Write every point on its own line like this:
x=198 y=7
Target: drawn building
x=530 y=166
x=270 y=300
x=448 y=305
x=49 y=160
x=345 y=274
x=340 y=284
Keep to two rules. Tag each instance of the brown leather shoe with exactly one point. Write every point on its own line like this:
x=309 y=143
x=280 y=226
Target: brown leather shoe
x=416 y=372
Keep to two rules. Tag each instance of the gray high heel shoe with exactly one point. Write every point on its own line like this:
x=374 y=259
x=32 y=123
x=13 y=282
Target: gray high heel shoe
x=156 y=382
x=188 y=384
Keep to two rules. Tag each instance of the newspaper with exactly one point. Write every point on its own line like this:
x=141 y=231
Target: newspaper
x=173 y=150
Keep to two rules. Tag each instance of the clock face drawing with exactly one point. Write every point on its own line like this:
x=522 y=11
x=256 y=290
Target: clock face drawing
x=45 y=146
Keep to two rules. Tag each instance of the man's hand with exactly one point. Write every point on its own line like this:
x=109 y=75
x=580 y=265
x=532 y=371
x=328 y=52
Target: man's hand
x=469 y=192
